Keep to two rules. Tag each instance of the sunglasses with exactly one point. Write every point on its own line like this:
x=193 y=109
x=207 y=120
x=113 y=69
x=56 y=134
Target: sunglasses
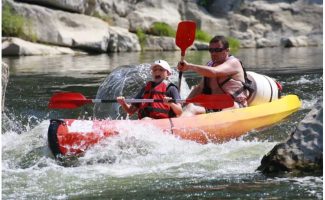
x=216 y=49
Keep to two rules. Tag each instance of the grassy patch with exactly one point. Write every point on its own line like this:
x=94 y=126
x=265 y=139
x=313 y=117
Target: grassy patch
x=234 y=44
x=106 y=19
x=141 y=37
x=162 y=29
x=202 y=36
x=14 y=25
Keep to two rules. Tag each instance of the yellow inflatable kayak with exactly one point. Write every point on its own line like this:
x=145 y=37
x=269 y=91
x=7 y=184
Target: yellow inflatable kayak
x=73 y=137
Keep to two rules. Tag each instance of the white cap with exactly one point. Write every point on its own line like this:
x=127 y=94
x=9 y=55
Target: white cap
x=162 y=64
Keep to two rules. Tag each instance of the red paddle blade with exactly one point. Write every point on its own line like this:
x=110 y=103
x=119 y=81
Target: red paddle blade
x=67 y=100
x=185 y=35
x=216 y=101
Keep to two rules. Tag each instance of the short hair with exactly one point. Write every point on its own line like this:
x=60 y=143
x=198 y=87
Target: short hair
x=220 y=38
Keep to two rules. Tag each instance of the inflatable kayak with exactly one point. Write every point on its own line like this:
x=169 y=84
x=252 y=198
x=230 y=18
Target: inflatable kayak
x=73 y=137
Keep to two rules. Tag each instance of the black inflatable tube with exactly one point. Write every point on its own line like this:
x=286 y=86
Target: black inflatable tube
x=52 y=137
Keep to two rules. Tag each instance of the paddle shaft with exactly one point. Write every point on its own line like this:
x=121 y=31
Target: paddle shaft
x=130 y=100
x=72 y=100
x=180 y=74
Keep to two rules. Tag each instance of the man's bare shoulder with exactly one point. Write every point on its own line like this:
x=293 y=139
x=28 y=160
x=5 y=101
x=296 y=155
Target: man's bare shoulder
x=234 y=63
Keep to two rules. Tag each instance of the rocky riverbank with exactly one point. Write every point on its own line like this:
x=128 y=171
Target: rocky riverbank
x=101 y=26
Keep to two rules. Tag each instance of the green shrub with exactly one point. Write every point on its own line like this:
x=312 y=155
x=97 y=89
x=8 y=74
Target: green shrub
x=202 y=36
x=162 y=29
x=15 y=25
x=106 y=19
x=141 y=37
x=12 y=24
x=234 y=44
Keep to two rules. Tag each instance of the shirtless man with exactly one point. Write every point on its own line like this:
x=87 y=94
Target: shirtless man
x=223 y=74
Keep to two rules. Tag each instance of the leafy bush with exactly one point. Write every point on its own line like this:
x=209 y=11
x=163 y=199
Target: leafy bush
x=107 y=19
x=162 y=29
x=12 y=24
x=141 y=37
x=202 y=36
x=15 y=25
x=234 y=44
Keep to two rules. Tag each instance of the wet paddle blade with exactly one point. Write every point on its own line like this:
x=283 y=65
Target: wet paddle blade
x=185 y=35
x=216 y=101
x=67 y=100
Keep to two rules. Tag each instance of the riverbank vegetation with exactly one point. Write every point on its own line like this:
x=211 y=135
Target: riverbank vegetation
x=14 y=25
x=163 y=29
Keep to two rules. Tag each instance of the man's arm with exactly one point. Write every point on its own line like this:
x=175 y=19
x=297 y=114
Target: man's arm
x=228 y=68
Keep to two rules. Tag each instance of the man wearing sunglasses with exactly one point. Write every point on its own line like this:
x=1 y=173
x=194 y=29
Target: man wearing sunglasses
x=223 y=74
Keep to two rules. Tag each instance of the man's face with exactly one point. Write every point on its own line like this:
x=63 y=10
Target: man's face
x=218 y=53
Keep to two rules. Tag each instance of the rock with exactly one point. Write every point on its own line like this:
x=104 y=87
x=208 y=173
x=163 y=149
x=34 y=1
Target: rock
x=262 y=42
x=294 y=41
x=200 y=45
x=18 y=47
x=4 y=83
x=213 y=26
x=155 y=43
x=122 y=40
x=303 y=151
x=75 y=30
x=255 y=23
x=161 y=11
x=68 y=5
x=222 y=8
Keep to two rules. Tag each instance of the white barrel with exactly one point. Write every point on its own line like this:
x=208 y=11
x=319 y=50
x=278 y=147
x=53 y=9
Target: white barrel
x=265 y=89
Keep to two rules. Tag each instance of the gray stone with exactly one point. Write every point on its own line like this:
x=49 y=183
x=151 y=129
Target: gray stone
x=303 y=151
x=257 y=24
x=68 y=5
x=16 y=46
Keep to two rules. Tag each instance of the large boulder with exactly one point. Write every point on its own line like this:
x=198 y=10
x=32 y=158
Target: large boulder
x=303 y=151
x=148 y=13
x=68 y=5
x=288 y=23
x=75 y=30
x=264 y=24
x=16 y=46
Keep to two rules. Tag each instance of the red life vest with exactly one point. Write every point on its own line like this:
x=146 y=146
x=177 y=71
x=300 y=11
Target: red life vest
x=155 y=110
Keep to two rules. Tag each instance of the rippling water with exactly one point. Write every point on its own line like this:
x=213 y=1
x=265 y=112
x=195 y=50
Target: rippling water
x=142 y=163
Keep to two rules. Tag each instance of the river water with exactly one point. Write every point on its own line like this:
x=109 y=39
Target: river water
x=148 y=165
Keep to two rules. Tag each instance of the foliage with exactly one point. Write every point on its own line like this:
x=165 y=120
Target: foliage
x=106 y=19
x=15 y=25
x=12 y=25
x=234 y=44
x=162 y=29
x=141 y=37
x=202 y=36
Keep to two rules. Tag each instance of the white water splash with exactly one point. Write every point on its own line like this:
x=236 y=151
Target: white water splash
x=305 y=79
x=137 y=152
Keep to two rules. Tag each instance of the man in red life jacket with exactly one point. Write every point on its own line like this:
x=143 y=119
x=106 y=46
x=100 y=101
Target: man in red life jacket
x=223 y=74
x=158 y=88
